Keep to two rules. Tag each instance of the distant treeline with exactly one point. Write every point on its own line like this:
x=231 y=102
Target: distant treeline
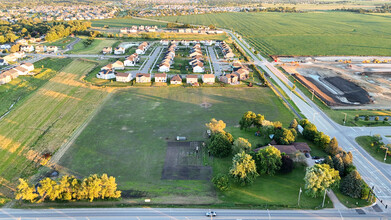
x=386 y=8
x=27 y=28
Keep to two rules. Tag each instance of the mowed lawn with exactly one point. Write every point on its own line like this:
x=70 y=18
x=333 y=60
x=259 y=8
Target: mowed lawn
x=61 y=43
x=44 y=121
x=127 y=138
x=311 y=33
x=95 y=47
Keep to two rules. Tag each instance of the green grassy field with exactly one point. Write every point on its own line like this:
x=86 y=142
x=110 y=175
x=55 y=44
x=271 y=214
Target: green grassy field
x=312 y=33
x=61 y=43
x=125 y=22
x=43 y=122
x=95 y=48
x=127 y=138
x=365 y=142
x=23 y=86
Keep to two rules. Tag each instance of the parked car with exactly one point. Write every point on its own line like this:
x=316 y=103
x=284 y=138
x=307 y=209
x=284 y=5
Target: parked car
x=307 y=155
x=315 y=157
x=319 y=161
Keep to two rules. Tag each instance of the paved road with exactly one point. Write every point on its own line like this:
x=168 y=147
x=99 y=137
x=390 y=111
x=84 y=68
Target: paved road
x=215 y=62
x=373 y=172
x=182 y=214
x=70 y=46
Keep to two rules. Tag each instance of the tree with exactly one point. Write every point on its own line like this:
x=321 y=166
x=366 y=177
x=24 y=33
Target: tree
x=258 y=120
x=356 y=117
x=48 y=189
x=366 y=118
x=243 y=168
x=352 y=185
x=322 y=140
x=268 y=160
x=294 y=124
x=328 y=160
x=25 y=192
x=377 y=118
x=284 y=136
x=15 y=48
x=338 y=164
x=109 y=187
x=385 y=119
x=320 y=177
x=221 y=182
x=220 y=145
x=241 y=145
x=277 y=125
x=333 y=148
x=247 y=120
x=310 y=131
x=287 y=164
x=216 y=126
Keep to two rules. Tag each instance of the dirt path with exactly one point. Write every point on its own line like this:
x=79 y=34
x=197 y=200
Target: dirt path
x=64 y=148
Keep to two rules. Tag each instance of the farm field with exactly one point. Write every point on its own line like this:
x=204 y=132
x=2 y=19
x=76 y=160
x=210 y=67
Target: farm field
x=44 y=121
x=125 y=22
x=131 y=132
x=312 y=33
x=95 y=48
x=20 y=88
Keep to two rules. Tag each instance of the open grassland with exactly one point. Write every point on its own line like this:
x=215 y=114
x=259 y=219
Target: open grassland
x=44 y=121
x=127 y=138
x=61 y=43
x=18 y=89
x=125 y=22
x=313 y=33
x=95 y=48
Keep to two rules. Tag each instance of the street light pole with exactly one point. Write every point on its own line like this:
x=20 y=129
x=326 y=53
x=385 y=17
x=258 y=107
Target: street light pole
x=385 y=156
x=313 y=91
x=324 y=198
x=344 y=121
x=298 y=201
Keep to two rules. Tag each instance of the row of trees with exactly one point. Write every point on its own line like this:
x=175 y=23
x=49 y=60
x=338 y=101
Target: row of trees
x=273 y=9
x=338 y=162
x=65 y=29
x=69 y=188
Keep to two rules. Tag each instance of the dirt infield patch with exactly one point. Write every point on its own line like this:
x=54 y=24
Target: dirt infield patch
x=184 y=163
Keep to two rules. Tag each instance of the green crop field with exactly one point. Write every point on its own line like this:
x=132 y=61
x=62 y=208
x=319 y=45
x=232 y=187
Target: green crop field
x=127 y=139
x=95 y=48
x=44 y=121
x=125 y=22
x=312 y=33
x=18 y=89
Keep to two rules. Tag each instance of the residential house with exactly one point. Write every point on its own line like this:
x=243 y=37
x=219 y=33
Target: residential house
x=208 y=78
x=106 y=74
x=143 y=78
x=242 y=73
x=123 y=77
x=176 y=80
x=161 y=77
x=40 y=48
x=229 y=79
x=164 y=42
x=191 y=79
x=28 y=66
x=3 y=62
x=107 y=50
x=5 y=78
x=53 y=49
x=142 y=48
x=118 y=65
x=21 y=71
x=164 y=67
x=119 y=50
x=198 y=67
x=27 y=48
x=131 y=60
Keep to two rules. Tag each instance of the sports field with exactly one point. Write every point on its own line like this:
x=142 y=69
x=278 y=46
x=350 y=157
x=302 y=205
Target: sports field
x=95 y=48
x=128 y=137
x=44 y=121
x=312 y=33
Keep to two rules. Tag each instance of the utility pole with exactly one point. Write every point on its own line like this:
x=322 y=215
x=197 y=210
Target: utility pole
x=313 y=91
x=385 y=156
x=344 y=121
x=298 y=201
x=324 y=198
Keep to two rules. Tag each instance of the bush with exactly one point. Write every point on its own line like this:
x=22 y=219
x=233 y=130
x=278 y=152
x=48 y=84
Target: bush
x=221 y=182
x=287 y=164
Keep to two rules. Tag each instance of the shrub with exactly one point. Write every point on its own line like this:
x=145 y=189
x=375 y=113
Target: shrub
x=221 y=182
